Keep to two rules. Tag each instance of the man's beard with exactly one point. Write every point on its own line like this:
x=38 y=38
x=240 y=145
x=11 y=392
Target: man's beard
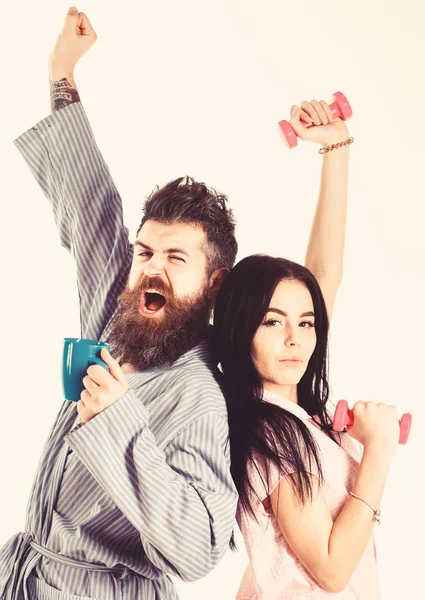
x=146 y=342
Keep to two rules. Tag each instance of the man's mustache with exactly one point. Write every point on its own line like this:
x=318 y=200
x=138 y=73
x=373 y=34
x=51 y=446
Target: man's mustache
x=156 y=283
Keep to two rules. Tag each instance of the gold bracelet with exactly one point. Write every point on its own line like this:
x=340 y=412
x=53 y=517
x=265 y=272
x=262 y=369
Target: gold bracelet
x=376 y=513
x=326 y=149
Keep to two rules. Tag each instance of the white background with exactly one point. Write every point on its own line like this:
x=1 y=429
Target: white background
x=197 y=87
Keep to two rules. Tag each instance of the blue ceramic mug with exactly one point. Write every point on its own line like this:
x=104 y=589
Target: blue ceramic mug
x=78 y=355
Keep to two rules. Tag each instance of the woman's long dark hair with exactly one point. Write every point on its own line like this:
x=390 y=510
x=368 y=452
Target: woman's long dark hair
x=258 y=427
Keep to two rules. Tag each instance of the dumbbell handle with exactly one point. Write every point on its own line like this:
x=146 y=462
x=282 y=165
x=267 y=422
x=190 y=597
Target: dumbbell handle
x=344 y=417
x=339 y=108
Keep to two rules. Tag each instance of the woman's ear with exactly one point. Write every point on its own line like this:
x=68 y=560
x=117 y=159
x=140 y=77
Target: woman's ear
x=216 y=281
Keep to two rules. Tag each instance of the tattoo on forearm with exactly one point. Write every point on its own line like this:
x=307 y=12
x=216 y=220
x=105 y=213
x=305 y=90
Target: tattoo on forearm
x=62 y=93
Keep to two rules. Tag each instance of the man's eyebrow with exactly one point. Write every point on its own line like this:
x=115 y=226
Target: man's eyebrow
x=169 y=251
x=177 y=251
x=284 y=314
x=139 y=243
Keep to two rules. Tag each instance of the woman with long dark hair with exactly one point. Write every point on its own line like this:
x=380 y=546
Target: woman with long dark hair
x=308 y=502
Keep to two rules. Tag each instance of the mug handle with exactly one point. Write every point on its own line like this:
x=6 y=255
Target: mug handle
x=98 y=361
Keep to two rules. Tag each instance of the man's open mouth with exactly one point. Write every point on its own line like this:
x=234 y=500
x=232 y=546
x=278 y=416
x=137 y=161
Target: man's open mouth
x=151 y=302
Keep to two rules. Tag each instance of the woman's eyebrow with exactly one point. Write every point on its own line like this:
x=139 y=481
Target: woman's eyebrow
x=285 y=314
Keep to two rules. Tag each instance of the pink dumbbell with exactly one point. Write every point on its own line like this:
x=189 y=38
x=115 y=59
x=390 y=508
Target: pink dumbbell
x=344 y=417
x=340 y=107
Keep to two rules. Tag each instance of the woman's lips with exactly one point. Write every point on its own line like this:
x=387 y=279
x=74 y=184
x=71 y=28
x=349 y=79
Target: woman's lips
x=292 y=362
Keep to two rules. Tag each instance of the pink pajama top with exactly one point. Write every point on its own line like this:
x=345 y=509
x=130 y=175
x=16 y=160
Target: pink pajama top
x=274 y=572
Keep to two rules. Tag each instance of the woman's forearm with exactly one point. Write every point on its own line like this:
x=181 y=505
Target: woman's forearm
x=325 y=251
x=353 y=527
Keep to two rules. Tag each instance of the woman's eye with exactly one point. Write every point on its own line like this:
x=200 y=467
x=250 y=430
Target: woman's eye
x=307 y=324
x=177 y=258
x=144 y=254
x=272 y=323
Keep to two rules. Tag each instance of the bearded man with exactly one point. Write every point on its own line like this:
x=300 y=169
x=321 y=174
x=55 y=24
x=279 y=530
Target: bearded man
x=135 y=486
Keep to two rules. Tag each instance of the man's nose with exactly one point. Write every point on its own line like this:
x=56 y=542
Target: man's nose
x=154 y=266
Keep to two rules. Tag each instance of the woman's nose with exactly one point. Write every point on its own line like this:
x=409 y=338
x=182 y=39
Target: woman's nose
x=292 y=338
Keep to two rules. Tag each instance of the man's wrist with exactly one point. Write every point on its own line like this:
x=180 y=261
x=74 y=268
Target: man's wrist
x=58 y=73
x=63 y=92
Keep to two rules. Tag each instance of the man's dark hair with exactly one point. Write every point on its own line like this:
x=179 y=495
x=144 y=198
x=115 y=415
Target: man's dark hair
x=185 y=200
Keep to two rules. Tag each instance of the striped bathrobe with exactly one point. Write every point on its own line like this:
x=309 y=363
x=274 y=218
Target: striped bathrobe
x=143 y=490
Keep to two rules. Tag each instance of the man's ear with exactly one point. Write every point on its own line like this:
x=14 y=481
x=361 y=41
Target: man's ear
x=216 y=281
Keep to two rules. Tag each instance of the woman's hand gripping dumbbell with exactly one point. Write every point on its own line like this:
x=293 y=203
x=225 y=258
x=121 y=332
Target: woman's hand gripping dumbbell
x=344 y=417
x=315 y=113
